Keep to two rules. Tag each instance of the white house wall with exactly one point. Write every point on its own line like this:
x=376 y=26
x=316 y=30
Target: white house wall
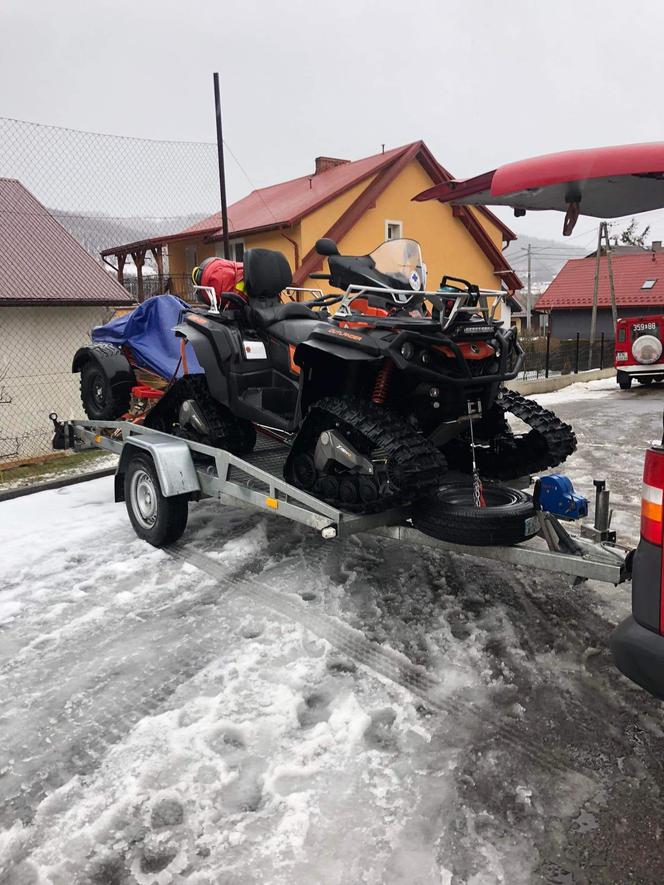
x=38 y=344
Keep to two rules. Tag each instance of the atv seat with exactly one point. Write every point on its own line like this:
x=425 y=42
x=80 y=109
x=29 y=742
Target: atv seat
x=263 y=316
x=266 y=275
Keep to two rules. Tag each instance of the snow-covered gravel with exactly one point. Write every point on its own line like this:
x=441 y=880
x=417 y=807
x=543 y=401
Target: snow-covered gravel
x=319 y=712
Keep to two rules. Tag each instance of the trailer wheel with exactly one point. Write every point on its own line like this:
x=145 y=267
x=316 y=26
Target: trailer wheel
x=155 y=518
x=508 y=518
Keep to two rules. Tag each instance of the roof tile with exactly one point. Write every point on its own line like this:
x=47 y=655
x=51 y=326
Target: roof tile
x=574 y=285
x=41 y=263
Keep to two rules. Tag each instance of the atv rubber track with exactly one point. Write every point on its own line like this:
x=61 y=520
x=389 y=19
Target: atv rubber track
x=415 y=467
x=227 y=432
x=549 y=442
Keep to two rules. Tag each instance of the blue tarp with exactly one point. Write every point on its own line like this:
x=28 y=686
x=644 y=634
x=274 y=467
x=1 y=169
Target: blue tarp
x=148 y=332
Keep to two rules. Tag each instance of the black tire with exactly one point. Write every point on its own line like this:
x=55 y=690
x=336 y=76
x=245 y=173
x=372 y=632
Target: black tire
x=450 y=515
x=101 y=402
x=156 y=519
x=624 y=381
x=645 y=381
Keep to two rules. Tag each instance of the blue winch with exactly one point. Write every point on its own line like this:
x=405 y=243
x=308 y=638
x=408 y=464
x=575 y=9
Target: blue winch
x=556 y=495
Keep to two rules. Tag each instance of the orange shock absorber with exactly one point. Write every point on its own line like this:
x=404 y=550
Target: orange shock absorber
x=382 y=383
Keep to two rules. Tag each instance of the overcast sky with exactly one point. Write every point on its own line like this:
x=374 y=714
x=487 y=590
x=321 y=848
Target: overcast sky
x=481 y=82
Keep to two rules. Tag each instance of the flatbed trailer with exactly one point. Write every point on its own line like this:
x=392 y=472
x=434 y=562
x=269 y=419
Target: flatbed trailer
x=187 y=470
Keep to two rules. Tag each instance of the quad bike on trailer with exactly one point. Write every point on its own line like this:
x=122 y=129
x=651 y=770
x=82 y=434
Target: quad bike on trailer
x=375 y=400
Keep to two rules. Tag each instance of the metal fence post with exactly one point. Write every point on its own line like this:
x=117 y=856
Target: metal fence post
x=601 y=351
x=548 y=352
x=576 y=354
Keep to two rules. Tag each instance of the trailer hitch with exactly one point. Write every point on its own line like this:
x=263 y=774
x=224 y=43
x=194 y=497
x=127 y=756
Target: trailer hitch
x=63 y=436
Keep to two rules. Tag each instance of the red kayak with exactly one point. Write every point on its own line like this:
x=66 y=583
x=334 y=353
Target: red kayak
x=605 y=182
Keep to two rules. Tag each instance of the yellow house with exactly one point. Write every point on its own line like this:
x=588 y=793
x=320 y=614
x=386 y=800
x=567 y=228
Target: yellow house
x=358 y=204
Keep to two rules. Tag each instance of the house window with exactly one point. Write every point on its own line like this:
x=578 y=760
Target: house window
x=648 y=284
x=236 y=250
x=393 y=230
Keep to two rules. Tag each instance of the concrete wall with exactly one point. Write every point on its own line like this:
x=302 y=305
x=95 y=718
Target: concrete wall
x=38 y=344
x=566 y=323
x=546 y=385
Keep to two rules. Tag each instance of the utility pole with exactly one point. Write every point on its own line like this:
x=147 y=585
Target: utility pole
x=602 y=235
x=593 y=320
x=222 y=174
x=529 y=289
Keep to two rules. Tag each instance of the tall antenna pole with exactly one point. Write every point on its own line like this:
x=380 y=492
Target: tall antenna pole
x=529 y=290
x=222 y=174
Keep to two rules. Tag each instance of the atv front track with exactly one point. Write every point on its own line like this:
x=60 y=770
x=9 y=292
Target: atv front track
x=406 y=465
x=503 y=455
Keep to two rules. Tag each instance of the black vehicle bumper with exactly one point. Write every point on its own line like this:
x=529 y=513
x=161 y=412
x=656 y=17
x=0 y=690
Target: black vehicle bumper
x=639 y=654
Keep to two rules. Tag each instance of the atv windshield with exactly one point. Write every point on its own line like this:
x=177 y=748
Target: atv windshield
x=401 y=260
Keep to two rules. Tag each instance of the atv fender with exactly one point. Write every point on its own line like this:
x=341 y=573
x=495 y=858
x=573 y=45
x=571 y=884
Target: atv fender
x=312 y=350
x=207 y=353
x=329 y=368
x=113 y=363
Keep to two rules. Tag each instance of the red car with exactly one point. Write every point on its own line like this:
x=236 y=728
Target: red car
x=639 y=350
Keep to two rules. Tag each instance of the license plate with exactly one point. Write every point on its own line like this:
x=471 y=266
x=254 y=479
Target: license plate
x=531 y=525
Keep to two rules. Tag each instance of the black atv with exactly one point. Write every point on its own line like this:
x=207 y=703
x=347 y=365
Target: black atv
x=374 y=399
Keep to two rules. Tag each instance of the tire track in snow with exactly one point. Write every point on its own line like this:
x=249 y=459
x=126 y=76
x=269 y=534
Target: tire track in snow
x=381 y=660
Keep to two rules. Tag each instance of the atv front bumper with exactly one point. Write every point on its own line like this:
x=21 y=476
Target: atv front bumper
x=639 y=654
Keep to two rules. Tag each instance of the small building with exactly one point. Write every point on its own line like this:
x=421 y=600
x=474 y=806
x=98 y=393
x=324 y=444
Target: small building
x=358 y=204
x=638 y=276
x=52 y=292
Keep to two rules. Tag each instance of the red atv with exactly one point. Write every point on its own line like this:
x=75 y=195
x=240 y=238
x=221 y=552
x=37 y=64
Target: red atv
x=639 y=350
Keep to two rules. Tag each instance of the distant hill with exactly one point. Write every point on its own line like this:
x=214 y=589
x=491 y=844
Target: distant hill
x=98 y=232
x=547 y=257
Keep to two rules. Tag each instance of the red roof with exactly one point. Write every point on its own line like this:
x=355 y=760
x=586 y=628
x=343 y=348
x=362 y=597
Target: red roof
x=41 y=262
x=574 y=285
x=283 y=205
x=288 y=202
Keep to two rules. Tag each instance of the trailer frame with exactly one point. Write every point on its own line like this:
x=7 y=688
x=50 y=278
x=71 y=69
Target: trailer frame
x=185 y=467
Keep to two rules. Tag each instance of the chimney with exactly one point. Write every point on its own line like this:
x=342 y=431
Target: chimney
x=656 y=246
x=325 y=163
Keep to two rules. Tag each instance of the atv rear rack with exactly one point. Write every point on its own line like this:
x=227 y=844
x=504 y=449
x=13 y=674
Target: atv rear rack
x=187 y=467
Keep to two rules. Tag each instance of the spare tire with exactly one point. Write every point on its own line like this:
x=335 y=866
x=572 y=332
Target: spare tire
x=450 y=515
x=647 y=349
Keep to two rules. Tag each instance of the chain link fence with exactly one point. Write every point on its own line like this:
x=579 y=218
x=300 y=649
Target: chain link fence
x=108 y=191
x=105 y=191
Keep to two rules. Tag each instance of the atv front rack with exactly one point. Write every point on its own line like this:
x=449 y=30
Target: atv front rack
x=200 y=471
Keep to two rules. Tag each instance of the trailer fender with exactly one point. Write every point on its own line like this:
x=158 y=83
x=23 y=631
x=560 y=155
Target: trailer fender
x=171 y=458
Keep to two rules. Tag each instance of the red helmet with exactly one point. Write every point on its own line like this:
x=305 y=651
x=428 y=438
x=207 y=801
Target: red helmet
x=221 y=275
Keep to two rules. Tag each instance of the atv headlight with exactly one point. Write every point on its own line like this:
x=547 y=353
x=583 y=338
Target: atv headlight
x=407 y=351
x=425 y=357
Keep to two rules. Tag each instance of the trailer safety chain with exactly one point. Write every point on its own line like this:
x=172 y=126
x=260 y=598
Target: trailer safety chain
x=478 y=490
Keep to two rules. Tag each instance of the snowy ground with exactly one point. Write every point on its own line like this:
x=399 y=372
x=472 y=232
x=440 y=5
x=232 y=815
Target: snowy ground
x=320 y=712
